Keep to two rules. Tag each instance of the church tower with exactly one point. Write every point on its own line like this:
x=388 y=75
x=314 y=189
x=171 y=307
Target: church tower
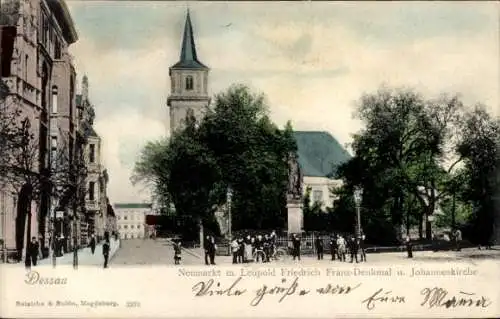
x=189 y=82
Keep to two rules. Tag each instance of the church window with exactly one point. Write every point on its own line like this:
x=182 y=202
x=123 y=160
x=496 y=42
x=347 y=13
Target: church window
x=189 y=83
x=317 y=196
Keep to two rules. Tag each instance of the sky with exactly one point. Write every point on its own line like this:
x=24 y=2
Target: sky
x=312 y=60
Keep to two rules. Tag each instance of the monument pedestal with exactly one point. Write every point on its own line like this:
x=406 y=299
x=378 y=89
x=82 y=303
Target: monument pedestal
x=295 y=219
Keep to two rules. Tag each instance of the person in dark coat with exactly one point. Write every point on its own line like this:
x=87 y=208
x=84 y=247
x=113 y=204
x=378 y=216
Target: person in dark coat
x=319 y=247
x=177 y=252
x=362 y=247
x=353 y=249
x=241 y=251
x=105 y=252
x=206 y=247
x=333 y=246
x=296 y=246
x=212 y=250
x=33 y=250
x=92 y=244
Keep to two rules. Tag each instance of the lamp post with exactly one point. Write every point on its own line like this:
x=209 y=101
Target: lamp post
x=358 y=196
x=229 y=199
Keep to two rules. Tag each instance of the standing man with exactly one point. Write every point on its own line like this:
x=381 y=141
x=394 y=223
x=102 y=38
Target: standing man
x=212 y=249
x=458 y=239
x=341 y=243
x=206 y=247
x=105 y=252
x=92 y=244
x=353 y=248
x=33 y=250
x=235 y=249
x=362 y=247
x=296 y=246
x=333 y=246
x=319 y=247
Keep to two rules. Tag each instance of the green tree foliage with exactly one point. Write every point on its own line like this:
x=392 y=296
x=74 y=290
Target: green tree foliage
x=479 y=146
x=235 y=145
x=406 y=157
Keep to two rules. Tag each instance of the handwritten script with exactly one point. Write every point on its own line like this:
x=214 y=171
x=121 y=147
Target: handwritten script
x=278 y=292
x=436 y=297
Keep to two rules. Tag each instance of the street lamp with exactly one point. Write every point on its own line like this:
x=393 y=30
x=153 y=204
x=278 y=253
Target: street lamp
x=358 y=197
x=229 y=199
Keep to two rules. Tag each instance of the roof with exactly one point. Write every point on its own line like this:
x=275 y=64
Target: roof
x=319 y=153
x=63 y=16
x=188 y=58
x=132 y=205
x=93 y=132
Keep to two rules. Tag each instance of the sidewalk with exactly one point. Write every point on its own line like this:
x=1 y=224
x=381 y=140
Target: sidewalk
x=85 y=256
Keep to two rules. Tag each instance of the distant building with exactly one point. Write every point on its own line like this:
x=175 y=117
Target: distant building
x=131 y=219
x=320 y=154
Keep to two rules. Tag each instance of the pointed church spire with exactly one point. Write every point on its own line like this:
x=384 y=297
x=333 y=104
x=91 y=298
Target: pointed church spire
x=188 y=58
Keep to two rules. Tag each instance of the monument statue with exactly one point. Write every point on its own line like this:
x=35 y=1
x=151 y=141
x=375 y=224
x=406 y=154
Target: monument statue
x=294 y=178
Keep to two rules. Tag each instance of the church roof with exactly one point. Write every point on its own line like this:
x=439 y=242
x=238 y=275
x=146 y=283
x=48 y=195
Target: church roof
x=188 y=58
x=319 y=153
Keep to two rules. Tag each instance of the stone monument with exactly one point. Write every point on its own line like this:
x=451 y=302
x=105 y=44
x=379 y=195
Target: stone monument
x=295 y=220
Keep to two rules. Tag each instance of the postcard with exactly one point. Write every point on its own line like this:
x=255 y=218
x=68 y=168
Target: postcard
x=167 y=159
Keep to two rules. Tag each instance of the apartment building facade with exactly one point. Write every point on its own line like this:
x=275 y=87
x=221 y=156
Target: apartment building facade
x=96 y=183
x=41 y=79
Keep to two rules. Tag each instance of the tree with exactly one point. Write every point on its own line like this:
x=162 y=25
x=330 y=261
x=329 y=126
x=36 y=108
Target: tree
x=252 y=154
x=235 y=145
x=184 y=171
x=479 y=146
x=399 y=155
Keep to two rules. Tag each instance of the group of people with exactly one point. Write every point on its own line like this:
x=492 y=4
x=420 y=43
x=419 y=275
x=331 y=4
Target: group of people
x=243 y=249
x=340 y=247
x=58 y=248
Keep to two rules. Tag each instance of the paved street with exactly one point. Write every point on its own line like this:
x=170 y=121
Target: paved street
x=161 y=252
x=469 y=254
x=149 y=252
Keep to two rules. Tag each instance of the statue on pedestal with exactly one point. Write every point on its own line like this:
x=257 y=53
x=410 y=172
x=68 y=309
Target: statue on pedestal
x=294 y=191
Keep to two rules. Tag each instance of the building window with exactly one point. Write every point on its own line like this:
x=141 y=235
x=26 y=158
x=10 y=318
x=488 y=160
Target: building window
x=26 y=66
x=189 y=83
x=54 y=99
x=125 y=226
x=125 y=217
x=53 y=148
x=92 y=153
x=317 y=196
x=57 y=50
x=119 y=217
x=91 y=190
